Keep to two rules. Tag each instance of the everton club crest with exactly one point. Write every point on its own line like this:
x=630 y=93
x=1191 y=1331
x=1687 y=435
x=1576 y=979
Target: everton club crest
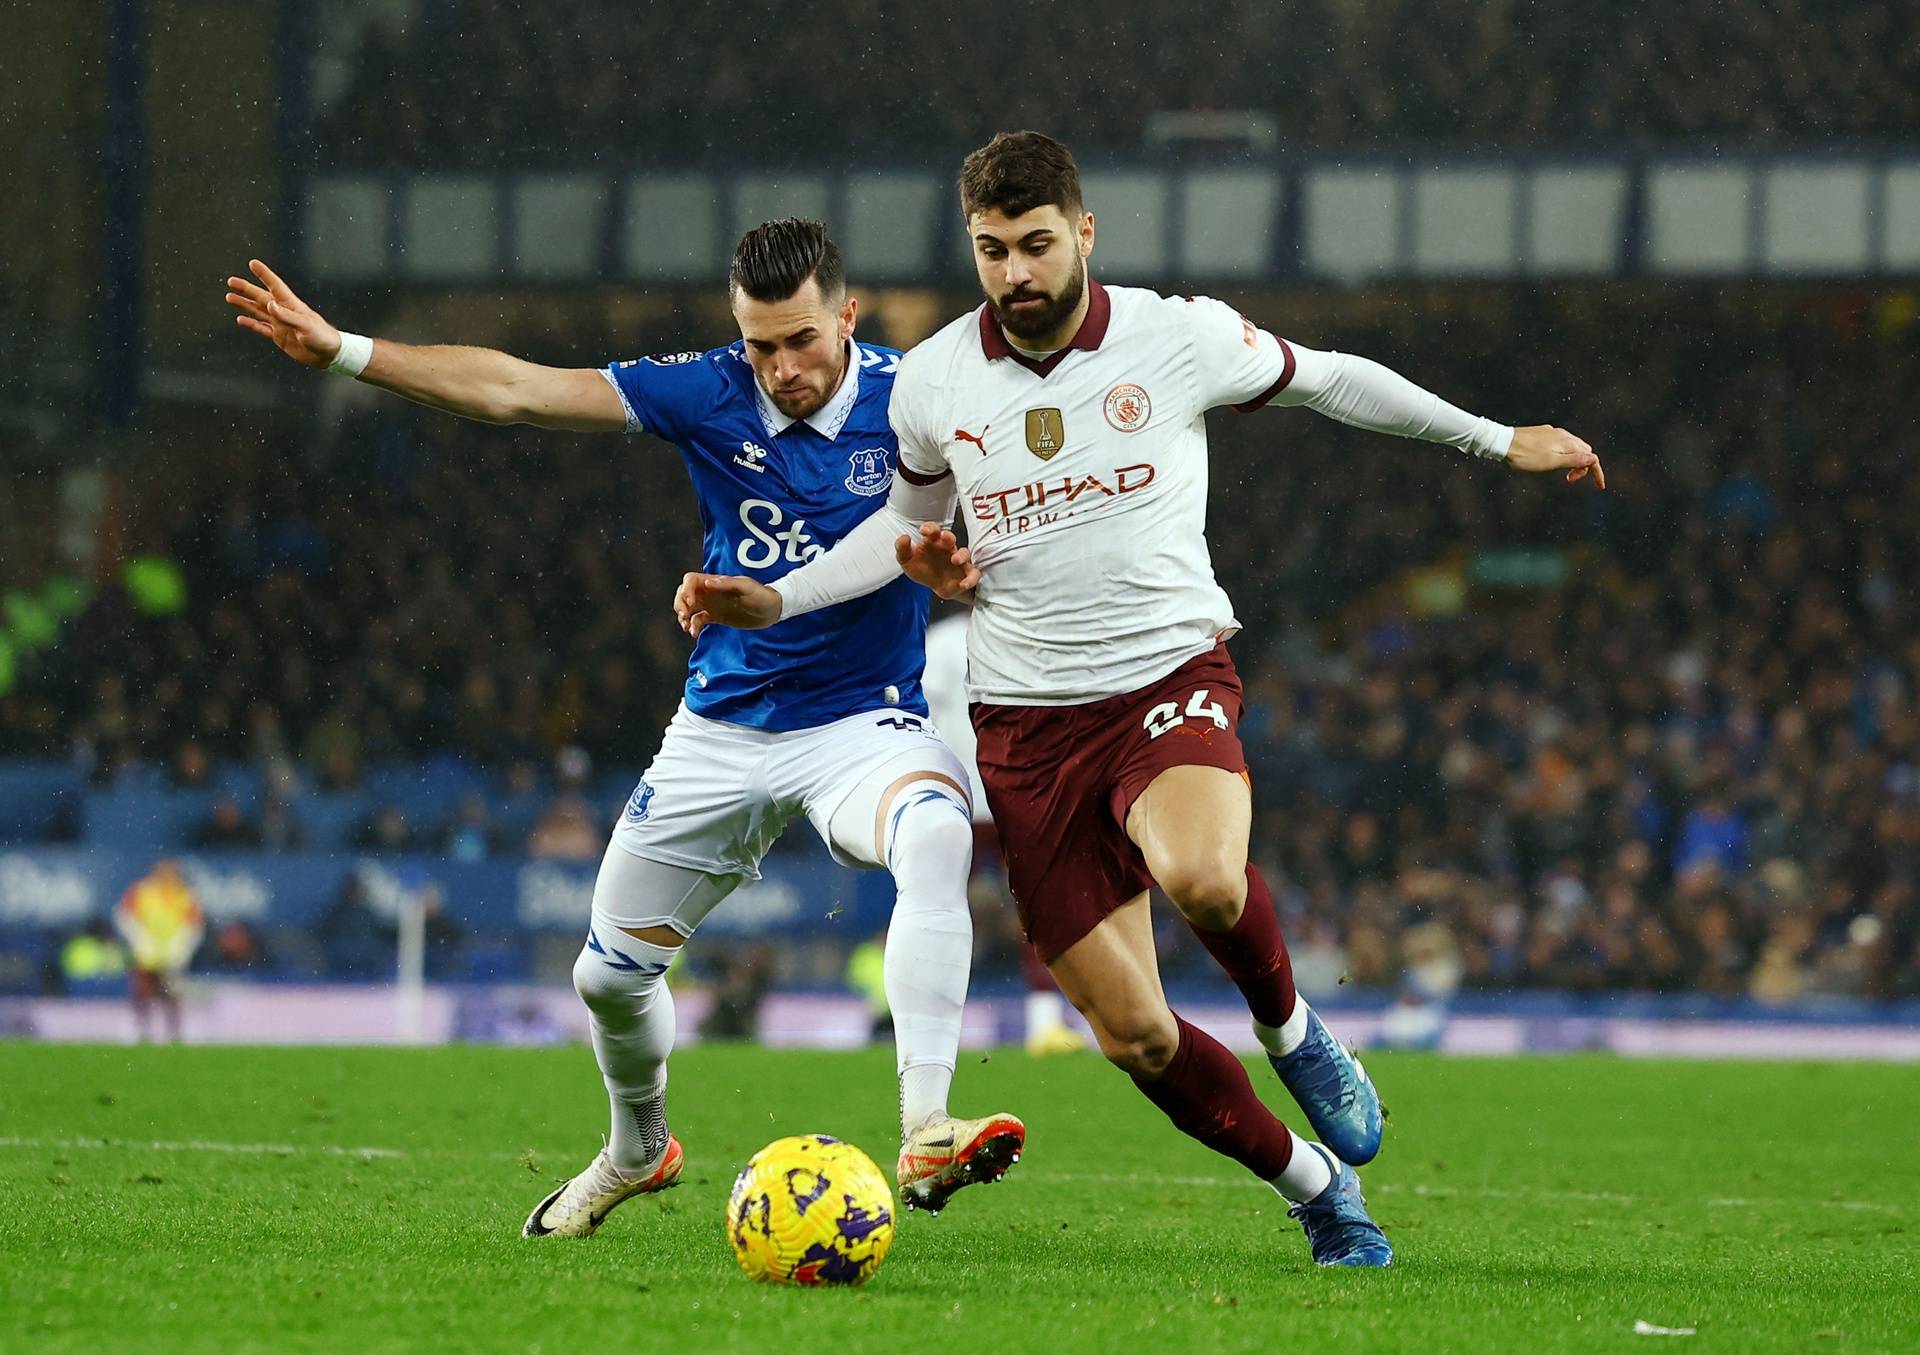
x=868 y=472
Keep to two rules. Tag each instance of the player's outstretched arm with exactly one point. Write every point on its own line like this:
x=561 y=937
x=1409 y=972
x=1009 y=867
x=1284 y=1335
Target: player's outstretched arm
x=1543 y=448
x=1365 y=394
x=476 y=383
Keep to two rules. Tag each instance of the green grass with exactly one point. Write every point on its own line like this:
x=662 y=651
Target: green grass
x=1537 y=1205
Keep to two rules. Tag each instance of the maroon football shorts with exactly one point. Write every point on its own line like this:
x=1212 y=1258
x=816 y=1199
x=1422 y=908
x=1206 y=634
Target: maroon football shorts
x=1060 y=780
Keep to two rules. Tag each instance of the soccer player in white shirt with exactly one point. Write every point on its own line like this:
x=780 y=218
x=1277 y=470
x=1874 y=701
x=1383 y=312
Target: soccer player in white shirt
x=1069 y=418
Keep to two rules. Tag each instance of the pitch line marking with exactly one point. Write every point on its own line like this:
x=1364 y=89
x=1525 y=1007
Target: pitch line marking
x=200 y=1146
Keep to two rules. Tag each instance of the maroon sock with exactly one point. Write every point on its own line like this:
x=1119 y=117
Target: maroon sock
x=1254 y=954
x=1205 y=1092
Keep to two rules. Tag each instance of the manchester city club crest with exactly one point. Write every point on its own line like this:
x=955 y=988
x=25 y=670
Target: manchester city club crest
x=868 y=472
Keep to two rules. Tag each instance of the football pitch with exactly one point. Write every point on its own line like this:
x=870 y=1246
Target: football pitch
x=367 y=1199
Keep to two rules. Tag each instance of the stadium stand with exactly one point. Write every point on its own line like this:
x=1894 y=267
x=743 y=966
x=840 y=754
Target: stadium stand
x=467 y=83
x=1503 y=734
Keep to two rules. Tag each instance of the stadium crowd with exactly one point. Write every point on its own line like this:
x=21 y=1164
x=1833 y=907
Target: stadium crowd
x=484 y=83
x=1503 y=733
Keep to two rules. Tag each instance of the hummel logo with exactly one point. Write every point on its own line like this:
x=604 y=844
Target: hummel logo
x=753 y=456
x=979 y=441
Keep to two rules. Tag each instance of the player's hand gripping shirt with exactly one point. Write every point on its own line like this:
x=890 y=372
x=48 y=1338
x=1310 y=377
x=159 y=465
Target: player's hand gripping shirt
x=774 y=493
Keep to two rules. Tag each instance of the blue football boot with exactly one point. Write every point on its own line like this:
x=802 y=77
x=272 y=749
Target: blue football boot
x=1335 y=1091
x=1339 y=1229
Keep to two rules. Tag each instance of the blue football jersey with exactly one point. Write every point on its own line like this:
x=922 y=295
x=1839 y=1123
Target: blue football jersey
x=774 y=494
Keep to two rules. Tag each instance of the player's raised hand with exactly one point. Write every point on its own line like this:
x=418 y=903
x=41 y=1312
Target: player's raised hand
x=733 y=600
x=1546 y=448
x=938 y=560
x=270 y=309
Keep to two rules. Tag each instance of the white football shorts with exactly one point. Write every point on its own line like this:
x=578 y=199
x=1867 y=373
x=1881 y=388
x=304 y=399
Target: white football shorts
x=717 y=795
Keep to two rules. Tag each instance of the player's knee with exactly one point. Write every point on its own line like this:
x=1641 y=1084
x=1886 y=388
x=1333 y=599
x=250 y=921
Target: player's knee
x=1139 y=1044
x=1209 y=891
x=610 y=991
x=928 y=825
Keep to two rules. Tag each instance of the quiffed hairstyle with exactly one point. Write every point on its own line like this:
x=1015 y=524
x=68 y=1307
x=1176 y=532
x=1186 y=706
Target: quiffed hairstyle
x=1017 y=172
x=774 y=260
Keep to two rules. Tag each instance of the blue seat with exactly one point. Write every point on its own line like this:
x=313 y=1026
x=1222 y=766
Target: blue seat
x=158 y=820
x=39 y=801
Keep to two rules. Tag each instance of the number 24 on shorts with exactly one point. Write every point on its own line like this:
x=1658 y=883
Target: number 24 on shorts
x=1168 y=715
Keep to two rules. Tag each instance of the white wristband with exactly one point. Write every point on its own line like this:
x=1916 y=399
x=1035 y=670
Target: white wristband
x=356 y=351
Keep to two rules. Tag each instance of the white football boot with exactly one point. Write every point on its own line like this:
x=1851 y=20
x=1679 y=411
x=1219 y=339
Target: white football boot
x=943 y=1155
x=582 y=1204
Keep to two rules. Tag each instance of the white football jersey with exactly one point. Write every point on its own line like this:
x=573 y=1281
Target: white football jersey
x=1083 y=479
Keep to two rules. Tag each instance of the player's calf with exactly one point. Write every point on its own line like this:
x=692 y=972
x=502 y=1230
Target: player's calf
x=1140 y=1043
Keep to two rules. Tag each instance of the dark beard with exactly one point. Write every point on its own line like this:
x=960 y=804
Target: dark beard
x=1044 y=320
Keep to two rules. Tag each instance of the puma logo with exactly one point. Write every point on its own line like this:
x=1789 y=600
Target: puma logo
x=979 y=441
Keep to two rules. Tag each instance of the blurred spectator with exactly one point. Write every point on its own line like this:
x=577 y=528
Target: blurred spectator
x=470 y=834
x=161 y=921
x=568 y=831
x=445 y=939
x=1714 y=834
x=237 y=949
x=745 y=974
x=355 y=942
x=90 y=956
x=386 y=831
x=867 y=978
x=280 y=829
x=226 y=826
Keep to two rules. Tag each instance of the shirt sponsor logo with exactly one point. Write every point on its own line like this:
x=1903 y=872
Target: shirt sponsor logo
x=1044 y=501
x=672 y=359
x=868 y=472
x=1127 y=407
x=791 y=542
x=1046 y=432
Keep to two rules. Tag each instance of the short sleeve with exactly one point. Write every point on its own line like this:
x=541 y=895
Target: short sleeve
x=922 y=455
x=1235 y=361
x=666 y=394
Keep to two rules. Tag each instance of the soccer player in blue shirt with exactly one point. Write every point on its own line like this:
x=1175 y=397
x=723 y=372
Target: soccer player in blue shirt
x=786 y=438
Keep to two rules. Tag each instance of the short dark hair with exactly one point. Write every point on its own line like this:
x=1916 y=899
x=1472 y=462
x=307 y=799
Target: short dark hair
x=1017 y=172
x=775 y=259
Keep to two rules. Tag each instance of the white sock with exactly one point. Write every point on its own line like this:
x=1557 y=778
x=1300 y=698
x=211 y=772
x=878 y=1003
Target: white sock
x=929 y=848
x=622 y=979
x=1307 y=1172
x=1284 y=1039
x=1046 y=1012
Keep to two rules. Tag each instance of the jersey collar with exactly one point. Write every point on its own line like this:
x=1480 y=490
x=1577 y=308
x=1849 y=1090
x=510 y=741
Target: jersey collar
x=827 y=420
x=1090 y=335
